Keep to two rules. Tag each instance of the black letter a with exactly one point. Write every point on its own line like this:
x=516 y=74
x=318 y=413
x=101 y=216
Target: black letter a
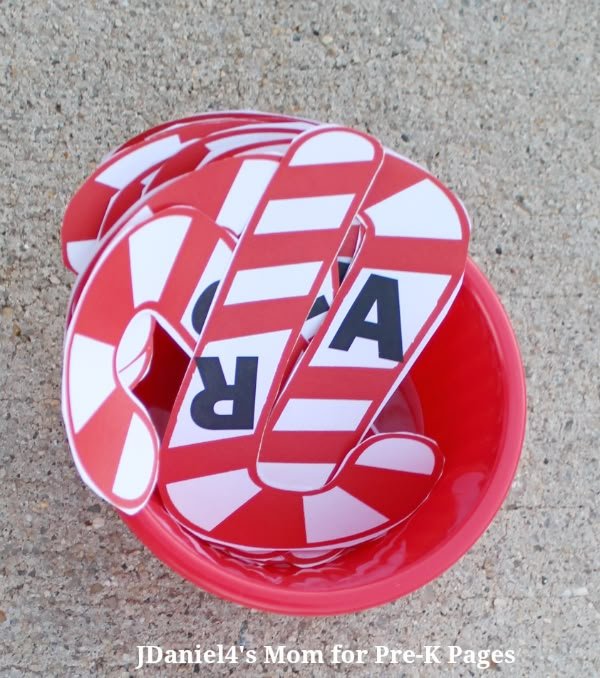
x=241 y=394
x=386 y=331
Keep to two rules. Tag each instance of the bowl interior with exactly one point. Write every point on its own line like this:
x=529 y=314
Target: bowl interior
x=470 y=387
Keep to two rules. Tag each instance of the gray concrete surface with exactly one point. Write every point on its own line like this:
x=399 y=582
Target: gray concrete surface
x=498 y=99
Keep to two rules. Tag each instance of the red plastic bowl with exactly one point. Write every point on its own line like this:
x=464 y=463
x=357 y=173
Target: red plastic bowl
x=472 y=394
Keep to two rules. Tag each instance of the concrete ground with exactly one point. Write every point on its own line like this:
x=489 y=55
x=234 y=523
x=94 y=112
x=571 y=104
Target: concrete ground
x=500 y=100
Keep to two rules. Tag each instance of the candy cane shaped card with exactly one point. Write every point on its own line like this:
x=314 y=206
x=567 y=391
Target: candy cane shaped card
x=304 y=440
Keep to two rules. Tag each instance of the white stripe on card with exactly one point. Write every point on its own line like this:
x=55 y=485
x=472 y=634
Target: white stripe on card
x=134 y=163
x=321 y=414
x=399 y=454
x=136 y=464
x=421 y=211
x=335 y=514
x=245 y=193
x=337 y=146
x=419 y=296
x=152 y=253
x=273 y=282
x=90 y=380
x=209 y=500
x=80 y=253
x=300 y=477
x=319 y=213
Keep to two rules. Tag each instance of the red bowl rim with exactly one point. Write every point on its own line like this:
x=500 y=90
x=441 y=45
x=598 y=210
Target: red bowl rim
x=152 y=530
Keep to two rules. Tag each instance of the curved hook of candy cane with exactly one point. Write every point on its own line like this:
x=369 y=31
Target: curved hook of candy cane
x=145 y=275
x=381 y=483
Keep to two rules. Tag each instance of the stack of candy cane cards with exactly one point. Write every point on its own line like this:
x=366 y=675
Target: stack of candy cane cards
x=252 y=291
